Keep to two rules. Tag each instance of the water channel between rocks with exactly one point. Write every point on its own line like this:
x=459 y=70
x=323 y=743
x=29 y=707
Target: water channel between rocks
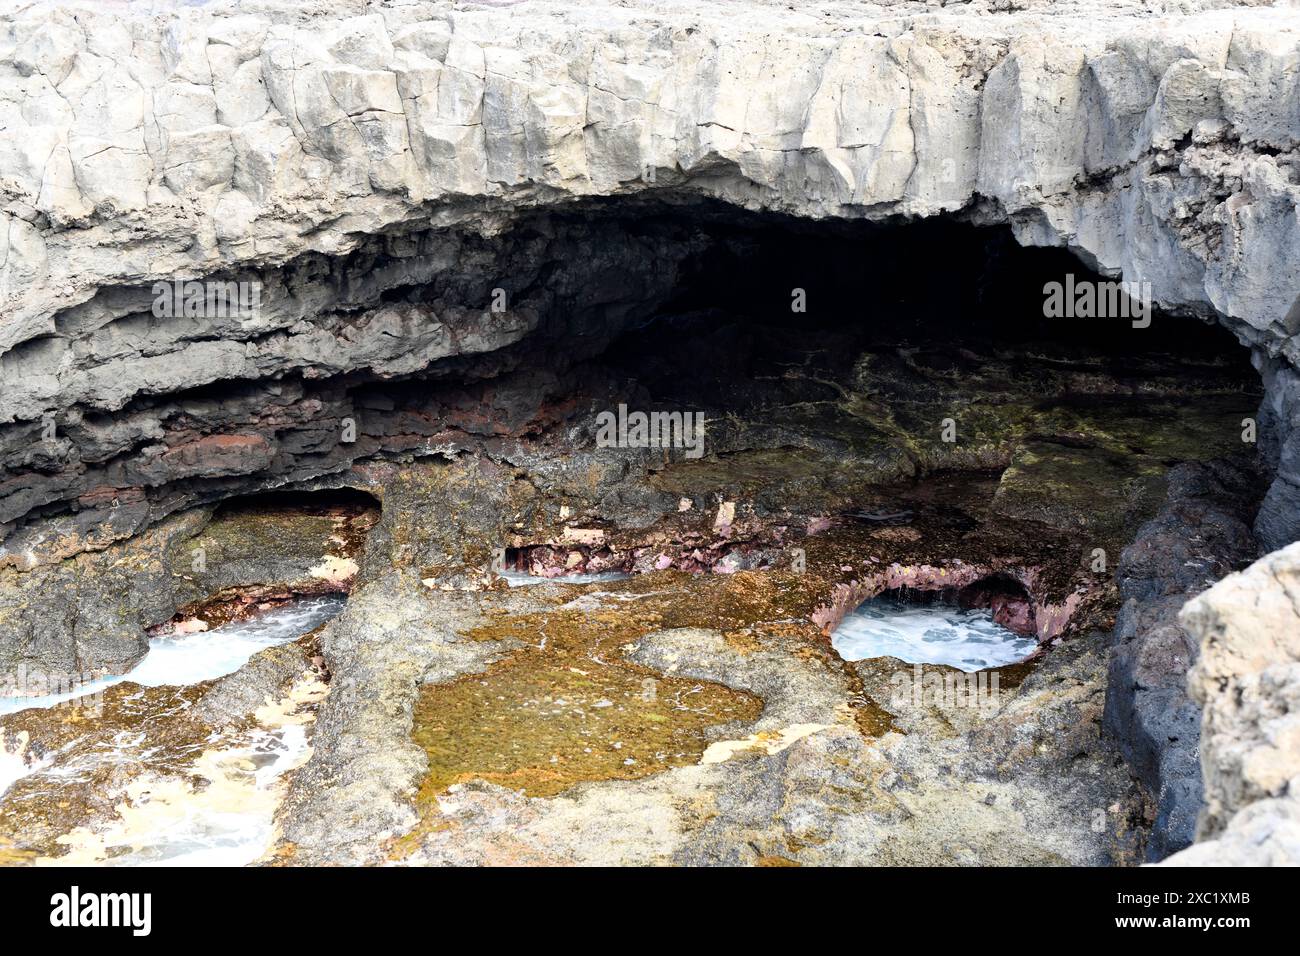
x=165 y=817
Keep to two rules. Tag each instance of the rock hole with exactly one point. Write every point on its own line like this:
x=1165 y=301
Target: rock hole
x=949 y=627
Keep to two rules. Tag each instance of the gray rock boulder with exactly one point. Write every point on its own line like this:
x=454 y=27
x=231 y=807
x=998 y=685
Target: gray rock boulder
x=1248 y=683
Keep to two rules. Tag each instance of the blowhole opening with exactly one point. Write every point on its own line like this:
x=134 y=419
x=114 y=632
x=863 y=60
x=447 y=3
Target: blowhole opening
x=951 y=627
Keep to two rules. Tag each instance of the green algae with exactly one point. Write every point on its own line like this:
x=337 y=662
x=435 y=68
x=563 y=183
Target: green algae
x=569 y=708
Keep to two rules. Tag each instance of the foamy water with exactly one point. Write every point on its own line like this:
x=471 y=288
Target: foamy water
x=191 y=658
x=227 y=823
x=519 y=579
x=12 y=767
x=967 y=640
x=168 y=820
x=13 y=762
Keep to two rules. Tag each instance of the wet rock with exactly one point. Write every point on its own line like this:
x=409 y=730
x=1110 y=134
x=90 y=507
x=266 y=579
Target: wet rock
x=92 y=612
x=264 y=679
x=1085 y=491
x=1278 y=521
x=801 y=691
x=1201 y=534
x=354 y=794
x=822 y=799
x=306 y=546
x=805 y=781
x=116 y=773
x=89 y=613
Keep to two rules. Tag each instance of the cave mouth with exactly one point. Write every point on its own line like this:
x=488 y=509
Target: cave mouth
x=542 y=563
x=277 y=563
x=309 y=501
x=761 y=300
x=826 y=361
x=837 y=334
x=692 y=357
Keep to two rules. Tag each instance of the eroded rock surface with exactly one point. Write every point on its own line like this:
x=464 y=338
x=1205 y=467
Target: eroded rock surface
x=1247 y=680
x=91 y=613
x=1201 y=534
x=455 y=218
x=343 y=159
x=609 y=723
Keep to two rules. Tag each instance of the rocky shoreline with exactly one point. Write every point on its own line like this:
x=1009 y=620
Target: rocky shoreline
x=458 y=236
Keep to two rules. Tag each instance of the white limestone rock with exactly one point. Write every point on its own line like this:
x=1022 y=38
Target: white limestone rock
x=1247 y=681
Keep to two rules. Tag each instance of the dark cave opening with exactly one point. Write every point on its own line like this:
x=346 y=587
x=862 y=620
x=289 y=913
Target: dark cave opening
x=316 y=501
x=946 y=294
x=661 y=305
x=270 y=551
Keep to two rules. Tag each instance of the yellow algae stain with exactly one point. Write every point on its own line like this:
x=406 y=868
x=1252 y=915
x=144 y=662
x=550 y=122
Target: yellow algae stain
x=568 y=708
x=767 y=741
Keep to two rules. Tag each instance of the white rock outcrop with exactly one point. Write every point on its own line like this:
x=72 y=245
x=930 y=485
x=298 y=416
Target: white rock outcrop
x=1247 y=681
x=148 y=140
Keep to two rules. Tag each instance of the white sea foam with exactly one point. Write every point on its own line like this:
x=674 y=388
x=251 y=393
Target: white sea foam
x=231 y=822
x=518 y=579
x=168 y=821
x=967 y=640
x=13 y=767
x=191 y=658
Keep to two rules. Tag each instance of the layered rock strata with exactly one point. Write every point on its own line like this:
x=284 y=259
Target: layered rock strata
x=275 y=142
x=392 y=179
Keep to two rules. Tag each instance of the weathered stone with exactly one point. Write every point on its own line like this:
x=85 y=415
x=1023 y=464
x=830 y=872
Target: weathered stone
x=1157 y=150
x=1200 y=535
x=1248 y=682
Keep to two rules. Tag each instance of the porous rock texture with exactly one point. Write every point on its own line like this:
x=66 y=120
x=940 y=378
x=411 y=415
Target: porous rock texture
x=1248 y=682
x=1201 y=534
x=370 y=163
x=1030 y=781
x=346 y=153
